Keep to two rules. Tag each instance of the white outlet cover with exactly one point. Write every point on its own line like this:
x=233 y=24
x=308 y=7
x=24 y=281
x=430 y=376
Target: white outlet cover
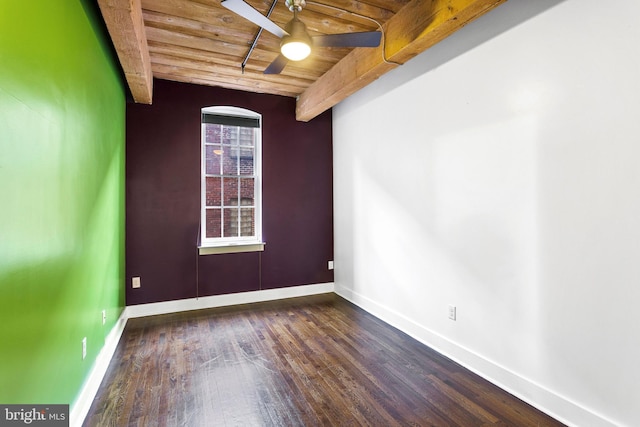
x=452 y=312
x=84 y=348
x=135 y=282
x=330 y=265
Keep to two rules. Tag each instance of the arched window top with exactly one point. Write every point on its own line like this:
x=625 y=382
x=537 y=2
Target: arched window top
x=231 y=111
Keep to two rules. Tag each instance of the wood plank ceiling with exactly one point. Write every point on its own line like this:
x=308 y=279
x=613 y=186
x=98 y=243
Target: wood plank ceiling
x=201 y=42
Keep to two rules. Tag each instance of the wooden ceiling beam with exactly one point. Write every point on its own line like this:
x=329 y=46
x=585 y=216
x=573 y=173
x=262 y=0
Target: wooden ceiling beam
x=314 y=70
x=167 y=72
x=229 y=72
x=415 y=28
x=126 y=28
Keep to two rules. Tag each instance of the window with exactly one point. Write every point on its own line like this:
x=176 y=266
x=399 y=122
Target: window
x=231 y=188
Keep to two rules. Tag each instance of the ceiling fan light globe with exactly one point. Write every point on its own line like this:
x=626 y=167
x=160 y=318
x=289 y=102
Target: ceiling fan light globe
x=295 y=50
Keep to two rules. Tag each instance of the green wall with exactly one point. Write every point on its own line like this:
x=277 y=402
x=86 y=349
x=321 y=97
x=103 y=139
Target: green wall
x=62 y=105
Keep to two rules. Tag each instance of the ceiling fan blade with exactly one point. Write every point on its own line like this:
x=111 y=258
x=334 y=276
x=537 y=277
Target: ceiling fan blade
x=249 y=13
x=364 y=39
x=277 y=65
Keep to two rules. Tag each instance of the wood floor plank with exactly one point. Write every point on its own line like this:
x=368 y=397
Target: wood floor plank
x=312 y=361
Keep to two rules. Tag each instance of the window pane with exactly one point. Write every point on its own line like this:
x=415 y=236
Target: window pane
x=247 y=222
x=213 y=223
x=214 y=191
x=213 y=133
x=246 y=161
x=229 y=134
x=212 y=159
x=230 y=222
x=247 y=189
x=230 y=191
x=229 y=161
x=247 y=136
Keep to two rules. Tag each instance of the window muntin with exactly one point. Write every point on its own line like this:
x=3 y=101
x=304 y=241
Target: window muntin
x=231 y=185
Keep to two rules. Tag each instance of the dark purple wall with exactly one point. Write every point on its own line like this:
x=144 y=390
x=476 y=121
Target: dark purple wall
x=163 y=198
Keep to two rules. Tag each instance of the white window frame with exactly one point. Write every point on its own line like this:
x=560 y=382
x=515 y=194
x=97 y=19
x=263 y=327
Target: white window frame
x=238 y=243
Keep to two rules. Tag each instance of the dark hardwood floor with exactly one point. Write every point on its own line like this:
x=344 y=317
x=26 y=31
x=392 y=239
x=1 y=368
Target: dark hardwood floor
x=313 y=361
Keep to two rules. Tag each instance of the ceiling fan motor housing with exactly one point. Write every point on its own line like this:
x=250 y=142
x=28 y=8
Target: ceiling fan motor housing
x=295 y=5
x=297 y=30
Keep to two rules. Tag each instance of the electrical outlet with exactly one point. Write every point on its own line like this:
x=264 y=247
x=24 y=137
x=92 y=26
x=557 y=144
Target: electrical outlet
x=330 y=265
x=135 y=282
x=84 y=348
x=452 y=312
x=104 y=316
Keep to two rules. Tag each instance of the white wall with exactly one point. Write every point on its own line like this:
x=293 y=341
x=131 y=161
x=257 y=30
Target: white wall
x=500 y=172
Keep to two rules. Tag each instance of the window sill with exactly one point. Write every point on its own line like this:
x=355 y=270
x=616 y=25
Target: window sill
x=231 y=248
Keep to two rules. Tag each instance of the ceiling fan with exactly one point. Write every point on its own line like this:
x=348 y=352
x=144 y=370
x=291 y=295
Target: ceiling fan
x=296 y=42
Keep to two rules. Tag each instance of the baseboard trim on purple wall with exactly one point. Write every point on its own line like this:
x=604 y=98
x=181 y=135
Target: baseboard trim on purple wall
x=167 y=307
x=81 y=406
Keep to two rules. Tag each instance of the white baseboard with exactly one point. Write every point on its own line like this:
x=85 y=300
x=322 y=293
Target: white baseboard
x=81 y=406
x=153 y=309
x=547 y=401
x=553 y=404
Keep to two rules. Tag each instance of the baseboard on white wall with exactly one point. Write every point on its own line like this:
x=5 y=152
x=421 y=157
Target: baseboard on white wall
x=226 y=300
x=81 y=406
x=551 y=403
